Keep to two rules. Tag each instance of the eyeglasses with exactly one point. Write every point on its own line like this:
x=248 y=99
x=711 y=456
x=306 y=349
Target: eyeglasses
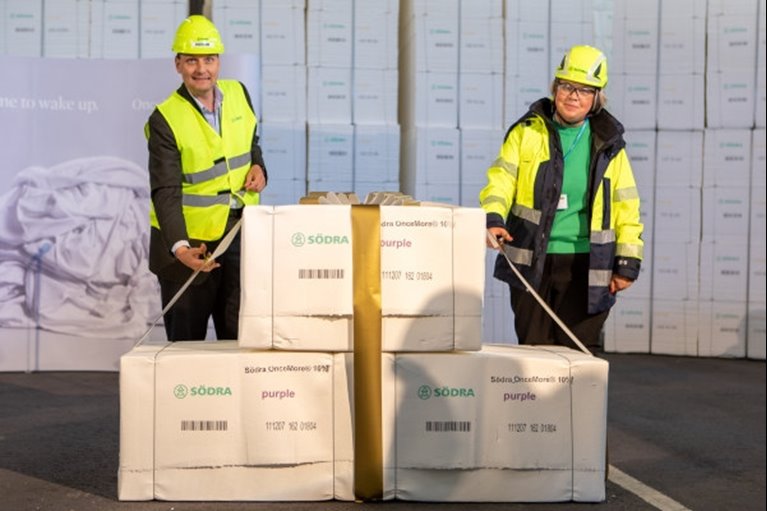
x=580 y=92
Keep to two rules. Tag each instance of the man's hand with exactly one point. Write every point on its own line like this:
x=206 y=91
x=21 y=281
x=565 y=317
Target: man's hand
x=618 y=283
x=255 y=180
x=500 y=234
x=196 y=258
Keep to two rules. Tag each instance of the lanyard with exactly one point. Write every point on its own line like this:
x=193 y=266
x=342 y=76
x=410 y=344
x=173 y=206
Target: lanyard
x=577 y=139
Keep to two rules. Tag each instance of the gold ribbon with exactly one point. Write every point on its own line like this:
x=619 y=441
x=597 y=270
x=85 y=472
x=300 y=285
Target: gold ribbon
x=368 y=437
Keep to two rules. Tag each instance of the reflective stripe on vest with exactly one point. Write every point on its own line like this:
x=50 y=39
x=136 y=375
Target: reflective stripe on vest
x=217 y=170
x=525 y=213
x=520 y=255
x=490 y=199
x=629 y=250
x=602 y=237
x=600 y=278
x=507 y=166
x=204 y=201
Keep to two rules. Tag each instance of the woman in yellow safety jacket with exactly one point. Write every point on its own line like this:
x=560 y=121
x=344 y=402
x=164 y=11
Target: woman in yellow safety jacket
x=561 y=195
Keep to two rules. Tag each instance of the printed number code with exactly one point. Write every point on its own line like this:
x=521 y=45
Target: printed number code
x=448 y=426
x=320 y=273
x=191 y=425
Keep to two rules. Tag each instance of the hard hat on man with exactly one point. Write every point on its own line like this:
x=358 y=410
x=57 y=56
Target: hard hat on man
x=197 y=35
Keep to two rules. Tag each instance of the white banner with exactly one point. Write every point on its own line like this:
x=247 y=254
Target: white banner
x=74 y=195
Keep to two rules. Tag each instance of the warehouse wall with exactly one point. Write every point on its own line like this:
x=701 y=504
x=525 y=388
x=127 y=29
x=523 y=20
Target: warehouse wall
x=415 y=95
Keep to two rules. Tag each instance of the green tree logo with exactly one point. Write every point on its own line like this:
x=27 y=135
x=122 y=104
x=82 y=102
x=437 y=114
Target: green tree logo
x=180 y=391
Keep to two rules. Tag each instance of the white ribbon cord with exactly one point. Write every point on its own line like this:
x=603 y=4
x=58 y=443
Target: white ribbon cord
x=497 y=246
x=220 y=249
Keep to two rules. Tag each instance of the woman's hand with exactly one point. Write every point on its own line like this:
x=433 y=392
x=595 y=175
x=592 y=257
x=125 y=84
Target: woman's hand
x=618 y=283
x=500 y=234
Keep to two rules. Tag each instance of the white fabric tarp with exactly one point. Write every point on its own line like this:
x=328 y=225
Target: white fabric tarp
x=73 y=248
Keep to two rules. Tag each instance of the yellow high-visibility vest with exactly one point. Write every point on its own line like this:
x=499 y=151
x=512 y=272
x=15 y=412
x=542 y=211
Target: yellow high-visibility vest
x=214 y=167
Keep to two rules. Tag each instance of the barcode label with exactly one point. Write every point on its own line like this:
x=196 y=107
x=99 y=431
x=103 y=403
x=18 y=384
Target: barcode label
x=447 y=426
x=321 y=273
x=191 y=425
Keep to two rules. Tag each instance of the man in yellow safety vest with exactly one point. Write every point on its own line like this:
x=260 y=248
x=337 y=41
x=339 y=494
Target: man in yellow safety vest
x=205 y=165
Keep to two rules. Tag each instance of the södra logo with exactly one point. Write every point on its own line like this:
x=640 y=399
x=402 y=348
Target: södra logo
x=299 y=239
x=427 y=392
x=181 y=391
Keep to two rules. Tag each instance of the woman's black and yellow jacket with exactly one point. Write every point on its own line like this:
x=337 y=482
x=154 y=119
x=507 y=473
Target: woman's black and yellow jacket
x=523 y=190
